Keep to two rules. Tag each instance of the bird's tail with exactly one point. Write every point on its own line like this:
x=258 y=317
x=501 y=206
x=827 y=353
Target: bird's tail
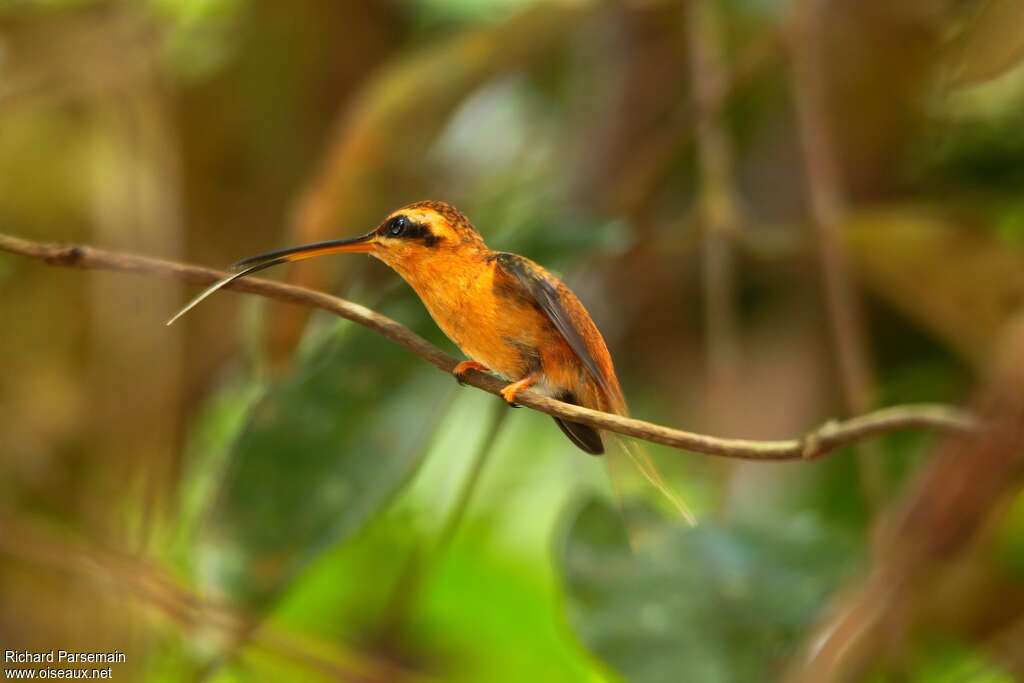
x=645 y=465
x=614 y=402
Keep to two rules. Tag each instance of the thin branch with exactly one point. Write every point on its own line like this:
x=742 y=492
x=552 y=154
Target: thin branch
x=827 y=205
x=819 y=442
x=822 y=176
x=718 y=208
x=470 y=483
x=418 y=565
x=649 y=164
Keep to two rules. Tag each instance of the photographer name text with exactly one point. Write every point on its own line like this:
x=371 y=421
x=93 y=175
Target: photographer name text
x=62 y=657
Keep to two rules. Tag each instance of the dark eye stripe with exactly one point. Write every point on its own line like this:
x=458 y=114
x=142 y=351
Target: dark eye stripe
x=423 y=232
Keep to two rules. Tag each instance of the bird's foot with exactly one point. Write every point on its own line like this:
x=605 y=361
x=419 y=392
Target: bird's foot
x=509 y=393
x=465 y=366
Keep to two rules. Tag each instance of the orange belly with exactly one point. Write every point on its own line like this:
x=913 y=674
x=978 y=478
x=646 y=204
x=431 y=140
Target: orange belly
x=508 y=338
x=512 y=337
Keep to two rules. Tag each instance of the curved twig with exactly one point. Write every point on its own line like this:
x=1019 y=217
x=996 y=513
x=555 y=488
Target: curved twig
x=821 y=441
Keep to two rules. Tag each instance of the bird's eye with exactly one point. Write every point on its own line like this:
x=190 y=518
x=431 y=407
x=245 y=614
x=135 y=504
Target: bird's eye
x=397 y=226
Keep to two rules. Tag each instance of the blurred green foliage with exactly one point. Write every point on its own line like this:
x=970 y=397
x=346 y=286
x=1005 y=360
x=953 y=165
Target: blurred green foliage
x=704 y=604
x=463 y=11
x=938 y=660
x=199 y=34
x=307 y=470
x=310 y=488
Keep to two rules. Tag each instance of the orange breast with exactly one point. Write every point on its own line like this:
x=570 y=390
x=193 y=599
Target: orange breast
x=460 y=297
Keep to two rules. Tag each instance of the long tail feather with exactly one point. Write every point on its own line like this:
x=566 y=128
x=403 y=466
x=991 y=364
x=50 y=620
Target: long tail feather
x=650 y=472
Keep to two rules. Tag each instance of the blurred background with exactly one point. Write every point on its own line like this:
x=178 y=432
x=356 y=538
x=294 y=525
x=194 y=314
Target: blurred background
x=777 y=212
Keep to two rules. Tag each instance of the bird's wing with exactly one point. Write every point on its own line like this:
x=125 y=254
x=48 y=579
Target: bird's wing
x=569 y=317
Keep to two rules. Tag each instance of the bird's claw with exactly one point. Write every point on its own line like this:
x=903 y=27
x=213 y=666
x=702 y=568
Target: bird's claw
x=509 y=393
x=465 y=366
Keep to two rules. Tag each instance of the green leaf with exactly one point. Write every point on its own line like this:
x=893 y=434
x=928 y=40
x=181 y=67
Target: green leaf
x=322 y=453
x=704 y=604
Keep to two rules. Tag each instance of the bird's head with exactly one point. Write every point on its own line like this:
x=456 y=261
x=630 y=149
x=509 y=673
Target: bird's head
x=409 y=235
x=409 y=240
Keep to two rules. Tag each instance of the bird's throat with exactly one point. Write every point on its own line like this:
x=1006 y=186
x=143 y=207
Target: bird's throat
x=458 y=292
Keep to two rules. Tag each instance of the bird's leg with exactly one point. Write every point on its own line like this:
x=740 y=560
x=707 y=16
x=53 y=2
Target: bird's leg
x=465 y=366
x=510 y=391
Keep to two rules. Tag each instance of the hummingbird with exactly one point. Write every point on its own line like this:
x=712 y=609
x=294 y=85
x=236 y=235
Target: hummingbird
x=506 y=313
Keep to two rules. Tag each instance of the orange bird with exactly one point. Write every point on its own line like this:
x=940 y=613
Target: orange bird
x=506 y=313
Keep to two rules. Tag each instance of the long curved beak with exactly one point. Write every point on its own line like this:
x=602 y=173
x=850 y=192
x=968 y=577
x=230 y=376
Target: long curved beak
x=351 y=245
x=362 y=244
